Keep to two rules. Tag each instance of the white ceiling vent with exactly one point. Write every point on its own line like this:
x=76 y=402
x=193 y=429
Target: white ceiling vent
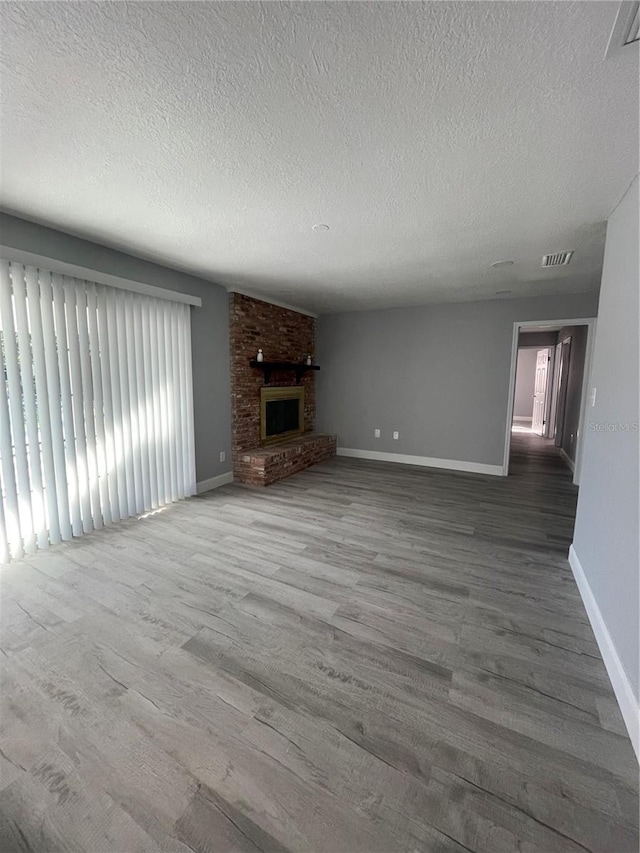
x=557 y=259
x=626 y=29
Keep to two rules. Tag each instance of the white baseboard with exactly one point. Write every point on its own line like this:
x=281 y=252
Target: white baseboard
x=619 y=680
x=523 y=418
x=214 y=482
x=423 y=461
x=568 y=460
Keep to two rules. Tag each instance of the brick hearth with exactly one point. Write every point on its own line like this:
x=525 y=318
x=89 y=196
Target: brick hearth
x=283 y=335
x=266 y=465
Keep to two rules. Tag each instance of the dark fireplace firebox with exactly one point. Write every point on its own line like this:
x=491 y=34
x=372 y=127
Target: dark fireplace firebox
x=281 y=412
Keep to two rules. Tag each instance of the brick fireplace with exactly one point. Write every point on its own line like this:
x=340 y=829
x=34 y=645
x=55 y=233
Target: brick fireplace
x=283 y=335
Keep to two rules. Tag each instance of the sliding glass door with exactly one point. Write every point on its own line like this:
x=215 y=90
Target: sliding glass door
x=96 y=409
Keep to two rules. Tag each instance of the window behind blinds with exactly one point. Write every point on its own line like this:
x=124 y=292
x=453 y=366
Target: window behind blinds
x=96 y=409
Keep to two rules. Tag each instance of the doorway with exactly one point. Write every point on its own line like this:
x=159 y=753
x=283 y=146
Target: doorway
x=549 y=380
x=532 y=388
x=540 y=391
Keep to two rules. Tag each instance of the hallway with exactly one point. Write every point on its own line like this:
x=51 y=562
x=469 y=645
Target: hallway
x=533 y=455
x=536 y=464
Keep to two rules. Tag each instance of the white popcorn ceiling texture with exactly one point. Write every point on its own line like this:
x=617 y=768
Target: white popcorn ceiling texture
x=433 y=139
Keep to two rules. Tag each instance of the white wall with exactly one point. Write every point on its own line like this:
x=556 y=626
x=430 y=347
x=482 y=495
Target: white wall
x=439 y=374
x=525 y=382
x=605 y=546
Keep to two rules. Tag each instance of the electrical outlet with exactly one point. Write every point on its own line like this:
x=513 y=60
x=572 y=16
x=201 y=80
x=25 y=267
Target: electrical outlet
x=223 y=456
x=396 y=435
x=593 y=396
x=376 y=433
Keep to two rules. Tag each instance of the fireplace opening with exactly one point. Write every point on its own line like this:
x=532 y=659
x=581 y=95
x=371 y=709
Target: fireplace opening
x=281 y=412
x=281 y=416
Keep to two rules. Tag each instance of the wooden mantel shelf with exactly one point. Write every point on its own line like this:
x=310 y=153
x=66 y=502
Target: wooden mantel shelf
x=268 y=367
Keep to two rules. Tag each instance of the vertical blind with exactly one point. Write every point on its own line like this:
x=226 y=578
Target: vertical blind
x=96 y=408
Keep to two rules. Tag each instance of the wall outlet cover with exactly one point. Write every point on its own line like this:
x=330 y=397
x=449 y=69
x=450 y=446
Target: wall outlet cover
x=223 y=456
x=396 y=435
x=376 y=433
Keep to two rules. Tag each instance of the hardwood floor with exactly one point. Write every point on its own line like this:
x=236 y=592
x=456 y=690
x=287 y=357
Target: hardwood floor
x=363 y=657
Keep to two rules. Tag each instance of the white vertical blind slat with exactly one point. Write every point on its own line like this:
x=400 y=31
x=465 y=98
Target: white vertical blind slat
x=98 y=404
x=182 y=366
x=149 y=408
x=54 y=403
x=27 y=381
x=42 y=393
x=12 y=529
x=162 y=424
x=112 y=332
x=190 y=454
x=126 y=405
x=5 y=553
x=177 y=397
x=66 y=404
x=132 y=379
x=166 y=409
x=169 y=396
x=141 y=402
x=88 y=402
x=107 y=397
x=16 y=414
x=75 y=369
x=157 y=408
x=96 y=420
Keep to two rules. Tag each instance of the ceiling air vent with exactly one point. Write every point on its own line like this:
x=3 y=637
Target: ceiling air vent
x=557 y=259
x=626 y=29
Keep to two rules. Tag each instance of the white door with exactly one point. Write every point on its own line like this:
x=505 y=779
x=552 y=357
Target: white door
x=539 y=392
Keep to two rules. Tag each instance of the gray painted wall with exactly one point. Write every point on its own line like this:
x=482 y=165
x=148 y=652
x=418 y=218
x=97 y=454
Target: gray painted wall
x=569 y=438
x=606 y=533
x=209 y=326
x=438 y=374
x=525 y=381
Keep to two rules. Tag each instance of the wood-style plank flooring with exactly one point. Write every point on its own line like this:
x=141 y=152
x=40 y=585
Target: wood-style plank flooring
x=363 y=657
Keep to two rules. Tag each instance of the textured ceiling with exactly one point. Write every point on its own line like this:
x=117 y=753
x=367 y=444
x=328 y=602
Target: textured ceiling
x=433 y=139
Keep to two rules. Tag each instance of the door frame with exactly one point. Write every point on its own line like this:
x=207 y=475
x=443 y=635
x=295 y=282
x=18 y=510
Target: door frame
x=549 y=391
x=590 y=323
x=563 y=380
x=553 y=411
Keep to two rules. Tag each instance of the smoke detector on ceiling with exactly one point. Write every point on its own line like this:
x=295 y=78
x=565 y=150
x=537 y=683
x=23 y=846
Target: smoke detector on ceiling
x=557 y=259
x=626 y=29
